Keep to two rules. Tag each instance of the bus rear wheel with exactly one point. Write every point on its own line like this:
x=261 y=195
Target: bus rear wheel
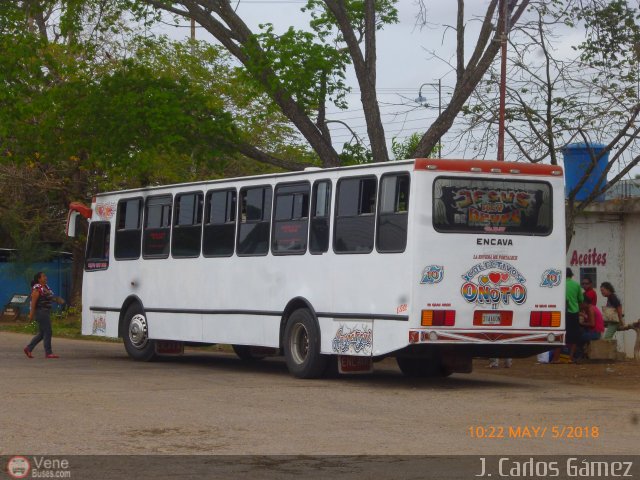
x=136 y=335
x=302 y=346
x=422 y=367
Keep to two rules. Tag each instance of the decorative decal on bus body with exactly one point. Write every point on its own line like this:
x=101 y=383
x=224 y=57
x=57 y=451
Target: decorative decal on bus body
x=353 y=339
x=105 y=210
x=432 y=274
x=99 y=323
x=493 y=283
x=551 y=278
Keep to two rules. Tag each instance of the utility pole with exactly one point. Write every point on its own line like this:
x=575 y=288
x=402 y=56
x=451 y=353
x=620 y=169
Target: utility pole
x=504 y=12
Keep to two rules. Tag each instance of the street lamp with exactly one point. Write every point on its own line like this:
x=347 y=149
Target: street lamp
x=422 y=100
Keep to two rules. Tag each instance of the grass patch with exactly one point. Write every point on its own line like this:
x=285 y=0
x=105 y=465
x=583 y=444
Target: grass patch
x=66 y=323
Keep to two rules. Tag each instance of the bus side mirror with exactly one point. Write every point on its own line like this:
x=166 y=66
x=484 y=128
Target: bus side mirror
x=75 y=209
x=72 y=217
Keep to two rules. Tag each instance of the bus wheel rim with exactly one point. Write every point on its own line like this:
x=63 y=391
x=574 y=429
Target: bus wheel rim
x=138 y=331
x=299 y=343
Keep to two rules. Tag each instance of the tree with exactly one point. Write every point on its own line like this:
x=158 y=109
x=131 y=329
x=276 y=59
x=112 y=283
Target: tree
x=83 y=110
x=293 y=70
x=555 y=100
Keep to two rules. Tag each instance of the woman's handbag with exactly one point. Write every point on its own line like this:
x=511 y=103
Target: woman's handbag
x=610 y=315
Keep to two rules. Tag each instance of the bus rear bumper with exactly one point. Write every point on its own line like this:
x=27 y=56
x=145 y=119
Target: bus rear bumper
x=505 y=343
x=528 y=337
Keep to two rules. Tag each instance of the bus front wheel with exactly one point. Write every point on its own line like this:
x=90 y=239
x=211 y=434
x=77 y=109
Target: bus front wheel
x=422 y=367
x=302 y=346
x=136 y=335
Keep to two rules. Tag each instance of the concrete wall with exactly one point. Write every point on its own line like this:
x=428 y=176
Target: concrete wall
x=607 y=243
x=632 y=277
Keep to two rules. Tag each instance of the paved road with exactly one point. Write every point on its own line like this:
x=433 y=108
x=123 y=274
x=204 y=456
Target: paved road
x=94 y=400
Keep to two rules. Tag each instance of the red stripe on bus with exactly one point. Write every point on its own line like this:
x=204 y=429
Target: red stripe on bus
x=487 y=166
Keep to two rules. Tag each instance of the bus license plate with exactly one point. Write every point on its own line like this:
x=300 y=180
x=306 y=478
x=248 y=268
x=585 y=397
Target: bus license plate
x=491 y=319
x=351 y=364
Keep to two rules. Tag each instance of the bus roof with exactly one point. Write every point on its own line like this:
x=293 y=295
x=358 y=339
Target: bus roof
x=431 y=164
x=487 y=166
x=309 y=171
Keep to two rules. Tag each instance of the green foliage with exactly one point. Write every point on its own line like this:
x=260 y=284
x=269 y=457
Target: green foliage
x=85 y=110
x=404 y=149
x=612 y=44
x=355 y=154
x=67 y=321
x=324 y=23
x=309 y=71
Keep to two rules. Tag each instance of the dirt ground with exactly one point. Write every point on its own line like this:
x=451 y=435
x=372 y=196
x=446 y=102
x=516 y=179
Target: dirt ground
x=617 y=375
x=95 y=400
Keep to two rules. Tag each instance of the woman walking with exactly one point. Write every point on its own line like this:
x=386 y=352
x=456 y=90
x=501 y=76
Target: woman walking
x=41 y=299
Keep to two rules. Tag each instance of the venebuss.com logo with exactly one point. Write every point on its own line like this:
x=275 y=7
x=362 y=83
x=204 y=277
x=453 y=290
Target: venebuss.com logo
x=494 y=282
x=18 y=467
x=38 y=467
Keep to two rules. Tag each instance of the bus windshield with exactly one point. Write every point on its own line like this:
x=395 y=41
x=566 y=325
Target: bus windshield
x=471 y=205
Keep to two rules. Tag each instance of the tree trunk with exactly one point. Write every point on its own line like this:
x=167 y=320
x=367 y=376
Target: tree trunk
x=365 y=68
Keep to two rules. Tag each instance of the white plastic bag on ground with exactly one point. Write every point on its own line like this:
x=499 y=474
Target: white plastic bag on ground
x=544 y=357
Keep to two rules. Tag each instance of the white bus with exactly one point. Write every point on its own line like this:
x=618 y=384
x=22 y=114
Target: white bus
x=431 y=261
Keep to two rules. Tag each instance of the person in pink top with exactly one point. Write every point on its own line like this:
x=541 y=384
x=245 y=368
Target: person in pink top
x=598 y=320
x=591 y=325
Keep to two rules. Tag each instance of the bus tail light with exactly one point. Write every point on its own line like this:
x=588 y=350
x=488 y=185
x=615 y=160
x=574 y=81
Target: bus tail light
x=438 y=318
x=544 y=319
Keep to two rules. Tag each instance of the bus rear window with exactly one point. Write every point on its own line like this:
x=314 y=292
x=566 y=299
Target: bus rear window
x=470 y=205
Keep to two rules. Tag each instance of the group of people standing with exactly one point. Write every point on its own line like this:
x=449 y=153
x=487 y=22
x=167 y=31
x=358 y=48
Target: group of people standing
x=584 y=320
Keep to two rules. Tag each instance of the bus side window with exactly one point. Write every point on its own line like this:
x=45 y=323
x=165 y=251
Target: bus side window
x=128 y=229
x=220 y=223
x=290 y=219
x=393 y=213
x=157 y=227
x=187 y=225
x=254 y=221
x=320 y=212
x=355 y=220
x=97 y=255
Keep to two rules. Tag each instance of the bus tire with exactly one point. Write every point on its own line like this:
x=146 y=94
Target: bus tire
x=422 y=367
x=136 y=335
x=247 y=353
x=302 y=346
